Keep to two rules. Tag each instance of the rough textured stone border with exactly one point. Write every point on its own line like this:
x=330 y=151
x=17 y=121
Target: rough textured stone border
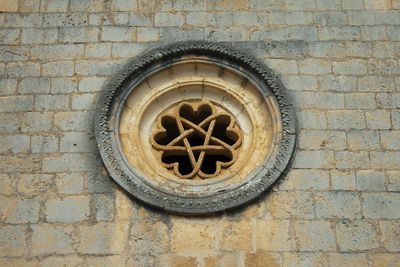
x=130 y=181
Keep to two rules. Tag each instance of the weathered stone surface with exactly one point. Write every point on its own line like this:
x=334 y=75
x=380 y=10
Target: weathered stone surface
x=148 y=238
x=237 y=236
x=48 y=239
x=381 y=205
x=287 y=205
x=273 y=235
x=202 y=237
x=356 y=235
x=314 y=236
x=12 y=242
x=261 y=258
x=19 y=211
x=68 y=209
x=337 y=204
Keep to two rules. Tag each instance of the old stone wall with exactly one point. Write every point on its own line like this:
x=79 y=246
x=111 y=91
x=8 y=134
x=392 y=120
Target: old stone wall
x=338 y=206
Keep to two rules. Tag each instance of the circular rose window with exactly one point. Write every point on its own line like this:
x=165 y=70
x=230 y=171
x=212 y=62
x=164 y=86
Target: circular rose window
x=195 y=127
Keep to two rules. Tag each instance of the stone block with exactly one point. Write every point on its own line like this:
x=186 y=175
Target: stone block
x=69 y=260
x=395 y=119
x=37 y=121
x=314 y=236
x=183 y=5
x=104 y=205
x=141 y=19
x=19 y=210
x=391 y=235
x=172 y=260
x=78 y=34
x=235 y=35
x=9 y=36
x=376 y=84
x=316 y=139
x=385 y=259
x=330 y=18
x=23 y=20
x=393 y=32
x=44 y=144
x=360 y=101
x=6 y=184
x=260 y=258
x=8 y=122
x=68 y=209
x=12 y=242
x=343 y=180
x=349 y=67
x=284 y=66
x=320 y=159
x=168 y=19
x=19 y=164
x=389 y=100
x=386 y=50
x=304 y=259
x=147 y=35
x=8 y=6
x=34 y=86
x=34 y=183
x=112 y=240
x=51 y=102
x=390 y=139
x=273 y=235
x=364 y=17
x=57 y=51
x=98 y=50
x=386 y=160
x=346 y=119
x=149 y=238
x=250 y=18
x=288 y=49
x=170 y=34
x=317 y=100
x=93 y=68
x=305 y=179
x=74 y=121
x=117 y=33
x=315 y=66
x=363 y=140
x=13 y=53
x=98 y=181
x=373 y=33
x=339 y=33
x=394 y=181
x=381 y=205
x=63 y=19
x=59 y=68
x=329 y=4
x=123 y=5
x=352 y=4
x=237 y=236
x=23 y=69
x=377 y=4
x=91 y=84
x=77 y=142
x=53 y=6
x=286 y=205
x=352 y=160
x=226 y=259
x=88 y=6
x=391 y=17
x=49 y=239
x=109 y=19
x=339 y=83
x=347 y=259
x=8 y=87
x=84 y=101
x=204 y=19
x=14 y=144
x=337 y=204
x=370 y=180
x=202 y=237
x=378 y=119
x=128 y=50
x=70 y=183
x=65 y=162
x=39 y=36
x=356 y=235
